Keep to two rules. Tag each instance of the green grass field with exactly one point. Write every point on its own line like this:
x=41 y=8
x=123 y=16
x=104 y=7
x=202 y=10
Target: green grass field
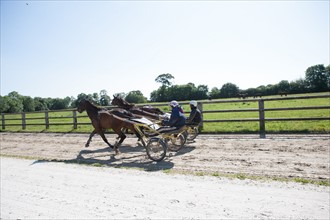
x=271 y=127
x=218 y=127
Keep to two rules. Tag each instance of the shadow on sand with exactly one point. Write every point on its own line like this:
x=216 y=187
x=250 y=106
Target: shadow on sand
x=130 y=157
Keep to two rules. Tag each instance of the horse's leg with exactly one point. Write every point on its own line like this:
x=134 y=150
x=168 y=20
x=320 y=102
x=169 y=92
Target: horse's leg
x=90 y=138
x=122 y=138
x=122 y=131
x=105 y=139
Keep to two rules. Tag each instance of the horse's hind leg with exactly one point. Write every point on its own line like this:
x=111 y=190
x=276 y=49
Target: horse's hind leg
x=90 y=138
x=122 y=131
x=122 y=138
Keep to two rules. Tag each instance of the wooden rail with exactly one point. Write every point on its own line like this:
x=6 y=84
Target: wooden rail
x=261 y=112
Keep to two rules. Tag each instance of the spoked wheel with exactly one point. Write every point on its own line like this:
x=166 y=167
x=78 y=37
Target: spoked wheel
x=156 y=149
x=192 y=133
x=176 y=143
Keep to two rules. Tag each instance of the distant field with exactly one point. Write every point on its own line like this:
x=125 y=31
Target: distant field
x=271 y=127
x=218 y=127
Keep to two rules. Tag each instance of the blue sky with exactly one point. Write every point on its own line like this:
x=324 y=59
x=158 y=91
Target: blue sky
x=64 y=48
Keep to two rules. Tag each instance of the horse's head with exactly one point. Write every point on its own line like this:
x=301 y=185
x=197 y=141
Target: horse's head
x=116 y=101
x=87 y=105
x=119 y=101
x=82 y=105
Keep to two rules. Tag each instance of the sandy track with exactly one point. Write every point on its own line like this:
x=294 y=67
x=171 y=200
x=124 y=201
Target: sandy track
x=287 y=156
x=39 y=189
x=33 y=189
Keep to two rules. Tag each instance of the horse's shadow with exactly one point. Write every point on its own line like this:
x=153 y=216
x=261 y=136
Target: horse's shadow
x=186 y=149
x=130 y=157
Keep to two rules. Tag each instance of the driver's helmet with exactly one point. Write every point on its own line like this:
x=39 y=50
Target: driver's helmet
x=174 y=103
x=193 y=103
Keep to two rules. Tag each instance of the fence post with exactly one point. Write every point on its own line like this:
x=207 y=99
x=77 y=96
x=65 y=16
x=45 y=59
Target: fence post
x=23 y=121
x=3 y=121
x=46 y=120
x=262 y=127
x=74 y=119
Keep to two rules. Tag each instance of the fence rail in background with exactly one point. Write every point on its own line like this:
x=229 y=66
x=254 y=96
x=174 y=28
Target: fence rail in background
x=261 y=114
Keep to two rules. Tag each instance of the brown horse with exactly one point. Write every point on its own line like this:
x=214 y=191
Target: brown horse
x=102 y=120
x=147 y=111
x=123 y=113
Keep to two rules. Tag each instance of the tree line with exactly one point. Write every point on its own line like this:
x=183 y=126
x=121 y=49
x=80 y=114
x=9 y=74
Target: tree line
x=317 y=79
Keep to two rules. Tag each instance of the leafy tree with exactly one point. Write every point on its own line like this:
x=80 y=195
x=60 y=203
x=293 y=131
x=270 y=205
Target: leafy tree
x=327 y=74
x=180 y=92
x=270 y=89
x=40 y=104
x=251 y=91
x=104 y=98
x=215 y=93
x=59 y=103
x=154 y=96
x=28 y=104
x=80 y=97
x=317 y=78
x=95 y=98
x=4 y=104
x=135 y=97
x=201 y=93
x=298 y=86
x=283 y=86
x=229 y=90
x=159 y=95
x=165 y=79
x=15 y=102
x=261 y=90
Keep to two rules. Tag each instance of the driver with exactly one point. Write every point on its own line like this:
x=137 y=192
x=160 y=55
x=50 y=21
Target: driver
x=177 y=118
x=195 y=116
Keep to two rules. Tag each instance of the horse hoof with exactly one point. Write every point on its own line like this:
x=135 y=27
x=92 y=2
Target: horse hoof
x=86 y=145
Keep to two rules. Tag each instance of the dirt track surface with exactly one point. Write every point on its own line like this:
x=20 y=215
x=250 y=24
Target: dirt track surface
x=33 y=189
x=40 y=189
x=288 y=156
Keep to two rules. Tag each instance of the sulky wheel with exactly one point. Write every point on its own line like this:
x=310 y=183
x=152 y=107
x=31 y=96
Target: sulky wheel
x=192 y=133
x=176 y=142
x=156 y=149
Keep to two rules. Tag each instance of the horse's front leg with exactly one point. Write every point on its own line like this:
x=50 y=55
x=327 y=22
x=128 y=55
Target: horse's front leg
x=90 y=138
x=105 y=139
